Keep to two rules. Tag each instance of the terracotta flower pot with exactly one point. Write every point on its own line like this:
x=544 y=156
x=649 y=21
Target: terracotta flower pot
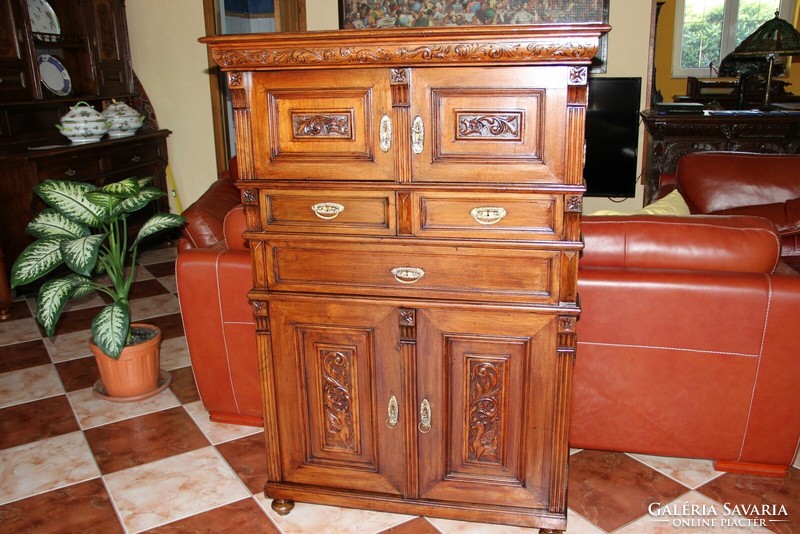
x=136 y=374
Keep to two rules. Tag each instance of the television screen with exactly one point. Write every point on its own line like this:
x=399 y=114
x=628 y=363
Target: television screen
x=612 y=137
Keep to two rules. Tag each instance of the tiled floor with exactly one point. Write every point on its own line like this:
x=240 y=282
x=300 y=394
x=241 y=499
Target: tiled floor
x=70 y=462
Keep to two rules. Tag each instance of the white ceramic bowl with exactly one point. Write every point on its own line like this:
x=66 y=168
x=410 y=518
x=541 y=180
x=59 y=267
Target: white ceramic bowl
x=83 y=124
x=124 y=120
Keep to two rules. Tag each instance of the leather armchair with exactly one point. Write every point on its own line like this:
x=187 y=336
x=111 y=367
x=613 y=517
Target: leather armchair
x=743 y=183
x=687 y=340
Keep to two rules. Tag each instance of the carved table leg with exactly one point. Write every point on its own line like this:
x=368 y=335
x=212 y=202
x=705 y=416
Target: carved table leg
x=550 y=531
x=282 y=507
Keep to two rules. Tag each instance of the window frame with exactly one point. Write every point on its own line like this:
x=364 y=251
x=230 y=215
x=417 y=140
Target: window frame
x=728 y=41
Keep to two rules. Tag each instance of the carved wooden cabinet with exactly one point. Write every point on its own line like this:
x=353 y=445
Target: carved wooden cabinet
x=413 y=202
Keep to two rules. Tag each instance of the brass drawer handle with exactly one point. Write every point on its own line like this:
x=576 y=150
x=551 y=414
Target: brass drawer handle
x=385 y=133
x=407 y=275
x=417 y=135
x=136 y=158
x=488 y=214
x=70 y=173
x=424 y=425
x=327 y=210
x=393 y=410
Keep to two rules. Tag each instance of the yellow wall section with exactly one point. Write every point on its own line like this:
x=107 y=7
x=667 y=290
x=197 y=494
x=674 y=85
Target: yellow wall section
x=670 y=86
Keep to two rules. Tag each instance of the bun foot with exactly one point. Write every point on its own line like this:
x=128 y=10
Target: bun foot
x=549 y=531
x=282 y=507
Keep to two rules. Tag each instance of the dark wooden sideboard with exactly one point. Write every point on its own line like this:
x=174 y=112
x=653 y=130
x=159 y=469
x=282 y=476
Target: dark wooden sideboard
x=672 y=135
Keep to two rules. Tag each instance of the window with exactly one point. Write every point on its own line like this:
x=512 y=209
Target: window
x=708 y=30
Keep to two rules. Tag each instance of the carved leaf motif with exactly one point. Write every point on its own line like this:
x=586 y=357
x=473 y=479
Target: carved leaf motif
x=488 y=126
x=485 y=407
x=321 y=125
x=336 y=396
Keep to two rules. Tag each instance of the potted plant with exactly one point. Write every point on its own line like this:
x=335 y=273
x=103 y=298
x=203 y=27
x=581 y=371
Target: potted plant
x=86 y=228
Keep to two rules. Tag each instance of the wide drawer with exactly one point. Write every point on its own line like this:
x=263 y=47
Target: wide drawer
x=458 y=271
x=70 y=167
x=491 y=216
x=134 y=155
x=341 y=212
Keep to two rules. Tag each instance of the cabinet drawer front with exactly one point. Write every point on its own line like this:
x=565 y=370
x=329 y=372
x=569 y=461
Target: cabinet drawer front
x=357 y=212
x=135 y=155
x=69 y=168
x=493 y=216
x=461 y=272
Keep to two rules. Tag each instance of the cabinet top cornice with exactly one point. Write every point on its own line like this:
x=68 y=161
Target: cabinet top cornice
x=565 y=44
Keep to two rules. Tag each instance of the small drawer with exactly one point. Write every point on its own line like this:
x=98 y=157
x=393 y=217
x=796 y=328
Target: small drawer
x=68 y=168
x=132 y=156
x=466 y=272
x=491 y=216
x=329 y=212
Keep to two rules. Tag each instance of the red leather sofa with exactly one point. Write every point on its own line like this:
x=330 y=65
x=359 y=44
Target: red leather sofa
x=687 y=339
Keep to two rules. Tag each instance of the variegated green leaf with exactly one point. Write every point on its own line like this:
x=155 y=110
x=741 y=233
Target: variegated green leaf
x=110 y=328
x=123 y=189
x=50 y=223
x=69 y=198
x=135 y=203
x=107 y=201
x=144 y=181
x=158 y=223
x=53 y=295
x=83 y=285
x=38 y=259
x=80 y=254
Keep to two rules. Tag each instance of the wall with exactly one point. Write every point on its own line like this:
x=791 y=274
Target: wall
x=173 y=69
x=670 y=86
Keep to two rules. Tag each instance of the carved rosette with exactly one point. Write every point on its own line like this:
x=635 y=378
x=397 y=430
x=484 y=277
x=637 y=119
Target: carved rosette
x=485 y=411
x=407 y=323
x=573 y=204
x=337 y=391
x=249 y=196
x=578 y=76
x=261 y=315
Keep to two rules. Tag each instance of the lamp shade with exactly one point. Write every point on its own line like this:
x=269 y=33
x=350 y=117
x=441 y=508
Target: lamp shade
x=776 y=36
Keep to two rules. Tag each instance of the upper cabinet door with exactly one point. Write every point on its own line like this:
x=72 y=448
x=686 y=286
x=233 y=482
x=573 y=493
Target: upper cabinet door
x=15 y=77
x=110 y=41
x=497 y=125
x=322 y=125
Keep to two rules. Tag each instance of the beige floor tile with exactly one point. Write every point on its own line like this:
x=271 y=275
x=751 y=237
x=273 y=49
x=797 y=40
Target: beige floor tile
x=68 y=346
x=92 y=411
x=19 y=331
x=179 y=486
x=169 y=282
x=690 y=472
x=29 y=384
x=44 y=465
x=449 y=526
x=174 y=353
x=165 y=304
x=218 y=432
x=305 y=518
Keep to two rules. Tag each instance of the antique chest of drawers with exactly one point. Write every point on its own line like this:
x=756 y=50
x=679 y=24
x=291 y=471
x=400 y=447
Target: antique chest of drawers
x=413 y=201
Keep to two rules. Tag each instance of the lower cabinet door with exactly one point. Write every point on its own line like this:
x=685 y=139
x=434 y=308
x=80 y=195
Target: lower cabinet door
x=338 y=388
x=485 y=386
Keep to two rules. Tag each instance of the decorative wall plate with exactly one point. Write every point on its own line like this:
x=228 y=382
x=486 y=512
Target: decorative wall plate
x=54 y=76
x=43 y=18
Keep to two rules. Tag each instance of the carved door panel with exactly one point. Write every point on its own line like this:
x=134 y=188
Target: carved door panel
x=323 y=125
x=338 y=366
x=489 y=125
x=487 y=378
x=111 y=47
x=16 y=79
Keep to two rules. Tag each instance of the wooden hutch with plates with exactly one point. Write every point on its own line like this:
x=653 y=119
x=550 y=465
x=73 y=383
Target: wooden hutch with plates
x=413 y=199
x=54 y=54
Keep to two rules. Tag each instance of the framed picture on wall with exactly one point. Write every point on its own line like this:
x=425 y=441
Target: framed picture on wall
x=375 y=14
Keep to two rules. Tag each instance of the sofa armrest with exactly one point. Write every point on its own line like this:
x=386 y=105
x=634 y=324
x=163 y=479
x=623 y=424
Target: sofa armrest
x=703 y=243
x=205 y=217
x=784 y=215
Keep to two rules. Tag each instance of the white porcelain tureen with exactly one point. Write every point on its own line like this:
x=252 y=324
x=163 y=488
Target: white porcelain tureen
x=124 y=119
x=83 y=124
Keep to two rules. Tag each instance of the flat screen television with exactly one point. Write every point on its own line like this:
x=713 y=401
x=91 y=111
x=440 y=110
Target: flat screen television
x=612 y=137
